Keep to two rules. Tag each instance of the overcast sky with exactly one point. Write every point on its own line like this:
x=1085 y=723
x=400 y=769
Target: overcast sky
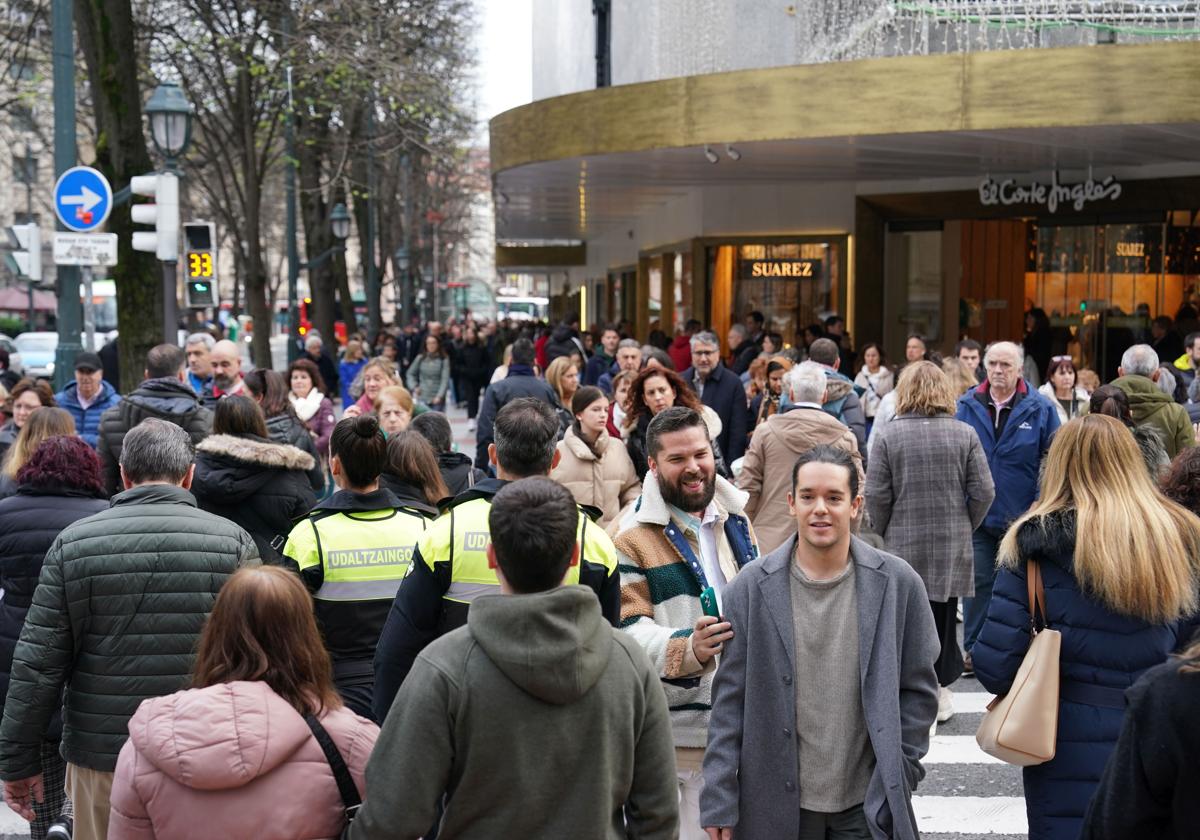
x=505 y=74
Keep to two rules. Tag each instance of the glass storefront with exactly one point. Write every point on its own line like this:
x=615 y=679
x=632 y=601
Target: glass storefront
x=1101 y=285
x=793 y=283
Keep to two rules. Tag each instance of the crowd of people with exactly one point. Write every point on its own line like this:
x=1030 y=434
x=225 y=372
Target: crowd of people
x=694 y=588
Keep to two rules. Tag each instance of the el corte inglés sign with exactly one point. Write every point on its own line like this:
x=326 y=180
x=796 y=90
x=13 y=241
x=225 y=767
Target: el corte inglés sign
x=1053 y=195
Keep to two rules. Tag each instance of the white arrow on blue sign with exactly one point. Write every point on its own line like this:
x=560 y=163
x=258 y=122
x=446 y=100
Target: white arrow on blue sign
x=82 y=199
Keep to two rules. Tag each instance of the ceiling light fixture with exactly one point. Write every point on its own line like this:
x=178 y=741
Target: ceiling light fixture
x=733 y=153
x=711 y=155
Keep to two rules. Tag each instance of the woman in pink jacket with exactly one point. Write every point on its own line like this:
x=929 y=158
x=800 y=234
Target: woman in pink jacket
x=217 y=760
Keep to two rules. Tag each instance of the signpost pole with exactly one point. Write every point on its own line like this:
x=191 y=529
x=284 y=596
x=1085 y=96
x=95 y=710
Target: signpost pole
x=66 y=277
x=89 y=309
x=170 y=304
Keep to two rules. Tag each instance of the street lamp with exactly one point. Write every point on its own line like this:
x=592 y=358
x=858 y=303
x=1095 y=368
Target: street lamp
x=339 y=220
x=170 y=116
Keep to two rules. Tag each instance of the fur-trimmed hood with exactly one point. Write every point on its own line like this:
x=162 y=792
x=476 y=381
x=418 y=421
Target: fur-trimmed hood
x=258 y=452
x=652 y=508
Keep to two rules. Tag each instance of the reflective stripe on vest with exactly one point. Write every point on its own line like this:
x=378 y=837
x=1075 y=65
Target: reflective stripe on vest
x=469 y=536
x=364 y=556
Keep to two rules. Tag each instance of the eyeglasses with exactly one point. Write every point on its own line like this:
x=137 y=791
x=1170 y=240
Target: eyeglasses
x=1060 y=358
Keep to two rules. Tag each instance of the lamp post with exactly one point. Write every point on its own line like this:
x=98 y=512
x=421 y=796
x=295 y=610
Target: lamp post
x=339 y=223
x=170 y=116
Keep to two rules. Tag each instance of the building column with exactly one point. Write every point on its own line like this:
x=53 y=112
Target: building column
x=666 y=321
x=641 y=304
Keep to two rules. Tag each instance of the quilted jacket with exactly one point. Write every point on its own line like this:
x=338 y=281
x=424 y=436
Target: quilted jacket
x=115 y=618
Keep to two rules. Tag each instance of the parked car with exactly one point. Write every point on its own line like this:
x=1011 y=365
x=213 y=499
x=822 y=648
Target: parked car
x=14 y=355
x=37 y=353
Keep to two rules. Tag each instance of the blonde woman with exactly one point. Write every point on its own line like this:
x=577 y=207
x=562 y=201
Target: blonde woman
x=928 y=488
x=1120 y=563
x=394 y=408
x=962 y=378
x=562 y=375
x=377 y=374
x=43 y=423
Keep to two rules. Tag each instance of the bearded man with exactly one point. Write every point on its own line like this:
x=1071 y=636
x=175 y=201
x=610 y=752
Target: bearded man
x=687 y=534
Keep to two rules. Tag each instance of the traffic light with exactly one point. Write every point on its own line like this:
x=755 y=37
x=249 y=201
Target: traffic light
x=163 y=214
x=26 y=257
x=200 y=264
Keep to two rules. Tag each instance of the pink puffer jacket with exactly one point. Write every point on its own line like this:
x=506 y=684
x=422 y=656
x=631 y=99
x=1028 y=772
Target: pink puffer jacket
x=232 y=761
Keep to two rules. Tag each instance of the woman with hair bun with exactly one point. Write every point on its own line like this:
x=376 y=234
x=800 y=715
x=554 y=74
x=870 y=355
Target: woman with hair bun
x=352 y=551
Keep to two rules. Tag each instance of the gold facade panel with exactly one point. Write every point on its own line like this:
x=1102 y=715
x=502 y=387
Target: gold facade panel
x=1012 y=89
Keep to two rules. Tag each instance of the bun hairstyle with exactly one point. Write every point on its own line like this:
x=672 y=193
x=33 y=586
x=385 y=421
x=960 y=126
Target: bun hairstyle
x=359 y=444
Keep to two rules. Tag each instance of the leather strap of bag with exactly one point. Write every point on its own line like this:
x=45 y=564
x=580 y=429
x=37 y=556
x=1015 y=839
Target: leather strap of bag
x=1037 y=594
x=351 y=801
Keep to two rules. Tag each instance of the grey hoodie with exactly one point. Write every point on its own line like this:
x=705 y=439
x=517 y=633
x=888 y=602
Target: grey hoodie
x=537 y=720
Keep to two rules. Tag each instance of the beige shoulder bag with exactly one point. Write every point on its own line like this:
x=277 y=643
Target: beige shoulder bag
x=1022 y=726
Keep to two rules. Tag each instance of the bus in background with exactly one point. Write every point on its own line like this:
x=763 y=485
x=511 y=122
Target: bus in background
x=521 y=308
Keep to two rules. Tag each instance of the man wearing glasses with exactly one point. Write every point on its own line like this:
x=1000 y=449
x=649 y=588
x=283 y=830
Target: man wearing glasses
x=721 y=390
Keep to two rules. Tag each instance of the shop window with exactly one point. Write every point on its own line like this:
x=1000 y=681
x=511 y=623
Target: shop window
x=793 y=284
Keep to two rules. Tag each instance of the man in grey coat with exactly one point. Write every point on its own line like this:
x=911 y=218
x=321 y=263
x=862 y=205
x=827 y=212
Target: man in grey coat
x=824 y=697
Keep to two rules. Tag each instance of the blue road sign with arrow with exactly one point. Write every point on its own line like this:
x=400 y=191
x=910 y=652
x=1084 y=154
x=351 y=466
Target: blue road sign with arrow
x=82 y=199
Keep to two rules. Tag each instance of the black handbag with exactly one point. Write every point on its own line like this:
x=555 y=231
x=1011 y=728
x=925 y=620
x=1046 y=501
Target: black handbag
x=341 y=773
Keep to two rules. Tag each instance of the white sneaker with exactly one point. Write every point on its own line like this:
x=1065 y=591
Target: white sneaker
x=945 y=704
x=470 y=425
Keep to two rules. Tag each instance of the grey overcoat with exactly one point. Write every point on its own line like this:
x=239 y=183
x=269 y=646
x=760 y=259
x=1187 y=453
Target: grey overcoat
x=751 y=763
x=928 y=487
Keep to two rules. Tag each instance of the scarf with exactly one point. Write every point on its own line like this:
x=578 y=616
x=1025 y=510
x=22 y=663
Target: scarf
x=308 y=406
x=520 y=370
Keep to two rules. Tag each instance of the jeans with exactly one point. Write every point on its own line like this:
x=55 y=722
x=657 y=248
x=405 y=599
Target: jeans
x=850 y=824
x=985 y=543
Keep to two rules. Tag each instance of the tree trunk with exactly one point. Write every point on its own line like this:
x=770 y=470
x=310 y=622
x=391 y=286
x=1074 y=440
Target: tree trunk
x=312 y=136
x=256 y=276
x=106 y=37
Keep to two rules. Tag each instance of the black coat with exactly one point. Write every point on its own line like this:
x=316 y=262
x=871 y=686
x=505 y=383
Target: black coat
x=563 y=342
x=500 y=394
x=30 y=521
x=407 y=495
x=473 y=363
x=458 y=472
x=289 y=429
x=327 y=368
x=260 y=485
x=1150 y=782
x=725 y=394
x=166 y=399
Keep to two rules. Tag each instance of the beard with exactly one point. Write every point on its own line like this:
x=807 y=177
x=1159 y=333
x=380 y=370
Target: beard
x=674 y=494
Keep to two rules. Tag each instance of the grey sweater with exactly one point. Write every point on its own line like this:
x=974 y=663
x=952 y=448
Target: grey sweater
x=836 y=760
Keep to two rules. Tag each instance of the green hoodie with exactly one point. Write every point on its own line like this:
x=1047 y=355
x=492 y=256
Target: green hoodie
x=536 y=720
x=1151 y=407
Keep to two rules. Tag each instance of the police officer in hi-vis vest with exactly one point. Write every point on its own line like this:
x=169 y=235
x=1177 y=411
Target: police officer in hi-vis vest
x=352 y=551
x=450 y=566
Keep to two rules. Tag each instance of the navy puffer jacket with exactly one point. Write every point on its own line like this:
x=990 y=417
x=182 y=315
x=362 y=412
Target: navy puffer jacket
x=1103 y=653
x=29 y=522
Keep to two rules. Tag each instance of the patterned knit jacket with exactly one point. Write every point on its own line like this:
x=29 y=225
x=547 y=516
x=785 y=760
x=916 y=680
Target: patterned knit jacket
x=661 y=582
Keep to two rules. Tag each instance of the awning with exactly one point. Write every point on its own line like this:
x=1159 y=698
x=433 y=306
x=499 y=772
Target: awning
x=15 y=299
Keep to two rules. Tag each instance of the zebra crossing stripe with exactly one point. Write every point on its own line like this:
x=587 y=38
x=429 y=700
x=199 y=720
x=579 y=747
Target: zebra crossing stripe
x=956 y=749
x=971 y=702
x=1003 y=815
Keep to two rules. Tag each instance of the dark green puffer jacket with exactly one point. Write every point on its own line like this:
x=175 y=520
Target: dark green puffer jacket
x=116 y=617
